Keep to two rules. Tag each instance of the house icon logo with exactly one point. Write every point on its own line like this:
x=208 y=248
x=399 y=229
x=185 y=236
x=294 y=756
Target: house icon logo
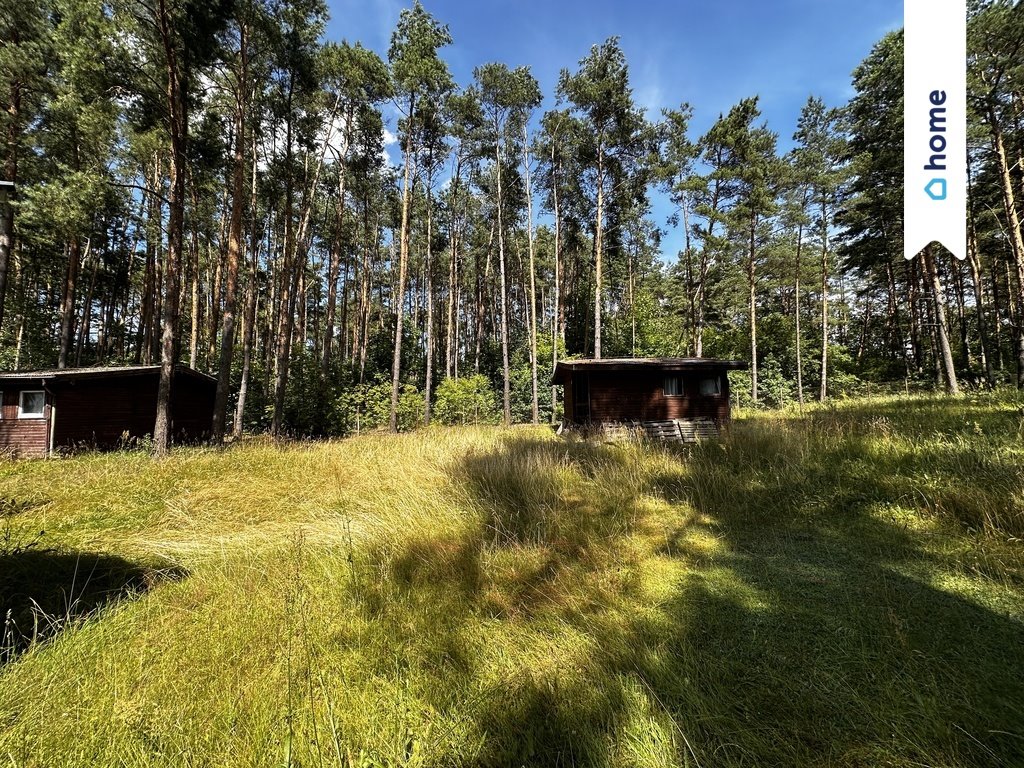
x=936 y=189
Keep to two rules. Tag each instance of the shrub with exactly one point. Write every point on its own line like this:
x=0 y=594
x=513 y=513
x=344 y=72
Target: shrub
x=469 y=400
x=368 y=406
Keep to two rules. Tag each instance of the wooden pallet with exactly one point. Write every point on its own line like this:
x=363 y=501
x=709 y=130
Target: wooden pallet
x=668 y=430
x=693 y=430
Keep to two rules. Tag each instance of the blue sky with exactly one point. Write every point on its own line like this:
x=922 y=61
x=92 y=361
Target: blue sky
x=710 y=54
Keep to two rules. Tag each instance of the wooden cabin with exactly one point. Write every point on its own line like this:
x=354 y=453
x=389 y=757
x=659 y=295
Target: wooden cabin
x=671 y=398
x=46 y=411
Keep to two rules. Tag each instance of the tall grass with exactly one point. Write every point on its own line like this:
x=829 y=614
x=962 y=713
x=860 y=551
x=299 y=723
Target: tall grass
x=841 y=588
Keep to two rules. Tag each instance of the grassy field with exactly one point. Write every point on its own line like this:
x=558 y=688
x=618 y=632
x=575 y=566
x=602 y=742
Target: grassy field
x=840 y=588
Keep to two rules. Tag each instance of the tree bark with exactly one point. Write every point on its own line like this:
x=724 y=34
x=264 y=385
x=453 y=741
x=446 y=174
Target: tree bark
x=535 y=409
x=429 y=269
x=67 y=305
x=334 y=266
x=598 y=248
x=403 y=262
x=227 y=330
x=556 y=316
x=979 y=304
x=751 y=280
x=823 y=393
x=177 y=105
x=11 y=175
x=796 y=315
x=942 y=328
x=506 y=392
x=1013 y=223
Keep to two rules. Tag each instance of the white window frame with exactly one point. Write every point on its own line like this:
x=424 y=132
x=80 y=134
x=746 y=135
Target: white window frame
x=21 y=404
x=718 y=386
x=682 y=386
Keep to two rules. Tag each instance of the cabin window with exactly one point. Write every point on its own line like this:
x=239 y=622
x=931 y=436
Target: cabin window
x=711 y=386
x=673 y=386
x=31 y=405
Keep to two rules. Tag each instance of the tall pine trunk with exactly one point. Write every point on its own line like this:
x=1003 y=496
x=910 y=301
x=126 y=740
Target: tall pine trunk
x=506 y=393
x=227 y=330
x=535 y=409
x=823 y=393
x=403 y=264
x=945 y=355
x=178 y=113
x=11 y=175
x=751 y=281
x=796 y=316
x=67 y=306
x=429 y=268
x=598 y=248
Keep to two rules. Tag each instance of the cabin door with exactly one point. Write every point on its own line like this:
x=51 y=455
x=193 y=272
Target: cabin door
x=581 y=399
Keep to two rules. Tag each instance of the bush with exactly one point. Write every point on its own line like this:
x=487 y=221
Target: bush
x=368 y=406
x=774 y=390
x=469 y=400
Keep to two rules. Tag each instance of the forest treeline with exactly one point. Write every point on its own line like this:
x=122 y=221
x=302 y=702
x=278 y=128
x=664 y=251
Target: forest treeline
x=207 y=182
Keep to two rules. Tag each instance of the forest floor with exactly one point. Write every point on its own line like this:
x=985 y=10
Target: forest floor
x=843 y=587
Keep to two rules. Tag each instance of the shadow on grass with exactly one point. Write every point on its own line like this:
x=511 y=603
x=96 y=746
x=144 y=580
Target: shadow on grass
x=794 y=621
x=44 y=591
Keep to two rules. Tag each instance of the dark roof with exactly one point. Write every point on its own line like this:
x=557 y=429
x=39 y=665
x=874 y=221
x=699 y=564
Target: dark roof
x=105 y=372
x=624 y=364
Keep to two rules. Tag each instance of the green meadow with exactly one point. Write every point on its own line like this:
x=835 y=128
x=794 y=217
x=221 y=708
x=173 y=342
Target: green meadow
x=840 y=587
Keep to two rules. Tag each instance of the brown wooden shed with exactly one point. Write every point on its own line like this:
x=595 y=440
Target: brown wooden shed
x=657 y=393
x=46 y=411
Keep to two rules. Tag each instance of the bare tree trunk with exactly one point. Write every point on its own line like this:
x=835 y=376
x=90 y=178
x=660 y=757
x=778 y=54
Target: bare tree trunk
x=942 y=329
x=218 y=265
x=11 y=175
x=403 y=265
x=556 y=313
x=227 y=330
x=796 y=315
x=823 y=393
x=288 y=283
x=451 y=310
x=248 y=331
x=177 y=110
x=67 y=306
x=751 y=281
x=915 y=314
x=334 y=266
x=535 y=408
x=192 y=276
x=85 y=325
x=506 y=393
x=429 y=268
x=598 y=247
x=958 y=294
x=979 y=304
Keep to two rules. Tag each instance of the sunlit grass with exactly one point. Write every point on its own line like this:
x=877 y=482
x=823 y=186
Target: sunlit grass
x=840 y=587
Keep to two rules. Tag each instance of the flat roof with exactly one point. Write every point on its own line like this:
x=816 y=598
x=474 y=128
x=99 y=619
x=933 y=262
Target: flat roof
x=98 y=372
x=623 y=364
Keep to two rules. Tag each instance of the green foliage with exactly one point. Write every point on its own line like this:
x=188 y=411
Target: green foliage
x=368 y=407
x=774 y=389
x=875 y=150
x=415 y=66
x=467 y=400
